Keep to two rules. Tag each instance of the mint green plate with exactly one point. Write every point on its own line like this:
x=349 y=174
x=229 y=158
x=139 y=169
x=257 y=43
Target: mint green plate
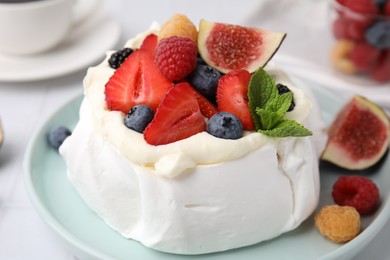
x=88 y=237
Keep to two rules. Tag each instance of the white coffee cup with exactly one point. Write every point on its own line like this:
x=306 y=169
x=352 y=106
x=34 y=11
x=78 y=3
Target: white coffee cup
x=34 y=26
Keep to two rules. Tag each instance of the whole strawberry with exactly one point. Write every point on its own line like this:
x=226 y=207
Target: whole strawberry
x=176 y=57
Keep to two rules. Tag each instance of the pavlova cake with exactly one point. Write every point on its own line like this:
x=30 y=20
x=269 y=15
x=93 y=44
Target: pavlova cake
x=187 y=145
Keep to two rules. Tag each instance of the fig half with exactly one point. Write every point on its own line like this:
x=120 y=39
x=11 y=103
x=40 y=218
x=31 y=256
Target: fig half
x=358 y=136
x=228 y=47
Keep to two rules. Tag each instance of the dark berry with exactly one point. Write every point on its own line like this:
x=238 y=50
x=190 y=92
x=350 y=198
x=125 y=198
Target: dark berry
x=205 y=80
x=284 y=89
x=139 y=117
x=225 y=125
x=356 y=191
x=378 y=35
x=119 y=57
x=381 y=4
x=57 y=136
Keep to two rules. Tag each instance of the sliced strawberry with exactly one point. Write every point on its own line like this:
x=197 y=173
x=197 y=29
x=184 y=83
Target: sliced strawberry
x=137 y=81
x=232 y=96
x=206 y=107
x=177 y=117
x=150 y=43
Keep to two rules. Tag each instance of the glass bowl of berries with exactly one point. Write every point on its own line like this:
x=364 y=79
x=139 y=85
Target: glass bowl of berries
x=361 y=29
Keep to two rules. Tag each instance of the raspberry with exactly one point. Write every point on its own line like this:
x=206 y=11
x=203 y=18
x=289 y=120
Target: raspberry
x=338 y=223
x=178 y=25
x=356 y=191
x=176 y=57
x=364 y=56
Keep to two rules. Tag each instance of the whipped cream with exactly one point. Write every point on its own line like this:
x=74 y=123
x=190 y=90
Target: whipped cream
x=197 y=195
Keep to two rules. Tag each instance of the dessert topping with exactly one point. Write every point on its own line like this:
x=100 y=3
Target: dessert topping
x=268 y=108
x=178 y=25
x=57 y=136
x=117 y=58
x=232 y=96
x=137 y=81
x=176 y=57
x=225 y=125
x=177 y=117
x=139 y=117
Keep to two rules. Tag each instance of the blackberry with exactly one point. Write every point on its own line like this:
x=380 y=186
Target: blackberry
x=139 y=117
x=284 y=89
x=378 y=35
x=57 y=136
x=117 y=58
x=225 y=125
x=205 y=80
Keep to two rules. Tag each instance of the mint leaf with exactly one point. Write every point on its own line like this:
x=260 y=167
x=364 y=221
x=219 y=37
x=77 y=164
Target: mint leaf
x=261 y=90
x=268 y=108
x=286 y=128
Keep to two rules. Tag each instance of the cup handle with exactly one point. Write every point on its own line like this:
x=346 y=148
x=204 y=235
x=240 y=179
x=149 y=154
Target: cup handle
x=84 y=8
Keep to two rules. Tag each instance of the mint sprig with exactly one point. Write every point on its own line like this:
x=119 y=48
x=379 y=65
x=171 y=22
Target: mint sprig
x=268 y=108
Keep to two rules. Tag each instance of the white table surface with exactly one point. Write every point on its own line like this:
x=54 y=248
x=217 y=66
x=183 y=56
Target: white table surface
x=24 y=106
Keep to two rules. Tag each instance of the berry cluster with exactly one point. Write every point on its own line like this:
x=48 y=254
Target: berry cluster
x=169 y=93
x=362 y=30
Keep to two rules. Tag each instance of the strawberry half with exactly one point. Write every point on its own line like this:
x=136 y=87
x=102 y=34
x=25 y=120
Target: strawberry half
x=137 y=81
x=177 y=117
x=232 y=96
x=150 y=43
x=206 y=107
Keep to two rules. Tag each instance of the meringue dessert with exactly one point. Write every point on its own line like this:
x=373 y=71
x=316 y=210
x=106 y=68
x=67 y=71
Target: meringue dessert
x=199 y=194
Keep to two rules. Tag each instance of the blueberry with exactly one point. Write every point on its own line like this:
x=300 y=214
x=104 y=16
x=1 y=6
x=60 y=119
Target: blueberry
x=205 y=80
x=57 y=136
x=116 y=59
x=225 y=125
x=378 y=35
x=139 y=117
x=284 y=89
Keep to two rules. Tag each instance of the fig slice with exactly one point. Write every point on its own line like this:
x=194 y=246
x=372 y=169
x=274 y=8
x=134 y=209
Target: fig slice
x=228 y=47
x=358 y=136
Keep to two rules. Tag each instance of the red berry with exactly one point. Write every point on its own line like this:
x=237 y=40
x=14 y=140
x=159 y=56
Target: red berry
x=382 y=71
x=177 y=117
x=206 y=107
x=340 y=28
x=342 y=2
x=136 y=81
x=361 y=17
x=387 y=8
x=364 y=56
x=232 y=96
x=362 y=6
x=176 y=57
x=149 y=44
x=356 y=191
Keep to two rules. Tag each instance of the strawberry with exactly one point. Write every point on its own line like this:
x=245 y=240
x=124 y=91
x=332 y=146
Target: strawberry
x=361 y=17
x=136 y=81
x=382 y=72
x=177 y=117
x=206 y=107
x=150 y=43
x=232 y=96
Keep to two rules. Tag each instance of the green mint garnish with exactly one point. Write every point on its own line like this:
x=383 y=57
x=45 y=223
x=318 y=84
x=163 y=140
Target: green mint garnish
x=268 y=108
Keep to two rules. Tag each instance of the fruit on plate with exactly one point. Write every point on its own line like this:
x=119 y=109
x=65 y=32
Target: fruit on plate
x=230 y=47
x=358 y=136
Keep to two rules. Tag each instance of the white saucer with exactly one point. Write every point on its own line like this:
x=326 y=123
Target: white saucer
x=86 y=44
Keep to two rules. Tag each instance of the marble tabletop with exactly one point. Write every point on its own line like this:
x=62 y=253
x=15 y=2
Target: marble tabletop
x=26 y=105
